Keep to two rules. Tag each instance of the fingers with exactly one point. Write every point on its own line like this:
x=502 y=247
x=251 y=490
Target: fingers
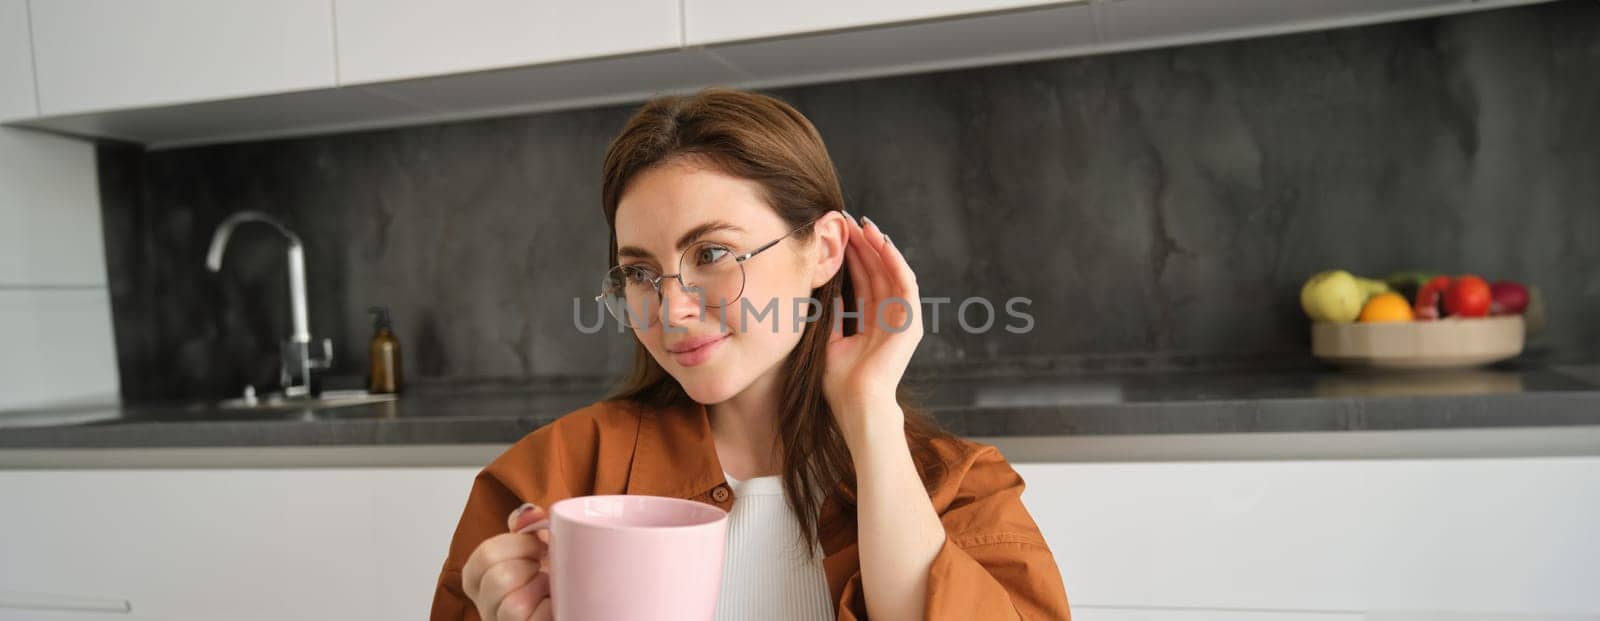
x=527 y=601
x=866 y=274
x=868 y=249
x=509 y=590
x=861 y=272
x=858 y=275
x=896 y=270
x=495 y=551
x=880 y=273
x=525 y=516
x=545 y=611
x=891 y=277
x=507 y=576
x=903 y=281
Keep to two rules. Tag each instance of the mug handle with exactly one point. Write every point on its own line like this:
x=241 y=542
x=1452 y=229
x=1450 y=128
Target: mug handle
x=539 y=525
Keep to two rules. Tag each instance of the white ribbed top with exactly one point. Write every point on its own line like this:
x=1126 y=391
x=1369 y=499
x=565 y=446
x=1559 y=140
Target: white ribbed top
x=765 y=574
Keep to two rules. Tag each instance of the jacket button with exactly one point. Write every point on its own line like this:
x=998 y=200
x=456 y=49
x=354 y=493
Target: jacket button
x=720 y=493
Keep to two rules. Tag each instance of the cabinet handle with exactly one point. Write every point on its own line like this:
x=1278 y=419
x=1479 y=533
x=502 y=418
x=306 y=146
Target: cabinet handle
x=51 y=601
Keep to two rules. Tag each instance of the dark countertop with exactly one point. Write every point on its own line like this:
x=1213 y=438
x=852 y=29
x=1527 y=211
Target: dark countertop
x=1193 y=402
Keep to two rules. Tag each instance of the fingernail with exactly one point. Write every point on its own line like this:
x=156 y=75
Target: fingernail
x=847 y=215
x=516 y=516
x=869 y=221
x=886 y=240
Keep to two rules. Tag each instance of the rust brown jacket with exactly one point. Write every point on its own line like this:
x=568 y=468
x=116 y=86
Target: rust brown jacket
x=994 y=563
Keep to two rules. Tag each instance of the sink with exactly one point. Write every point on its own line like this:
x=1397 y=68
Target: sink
x=329 y=399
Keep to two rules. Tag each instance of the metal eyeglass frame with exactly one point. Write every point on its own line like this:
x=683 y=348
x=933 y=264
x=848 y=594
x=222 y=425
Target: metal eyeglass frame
x=739 y=259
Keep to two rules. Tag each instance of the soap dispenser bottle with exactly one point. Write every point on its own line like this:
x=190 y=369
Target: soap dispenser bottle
x=383 y=375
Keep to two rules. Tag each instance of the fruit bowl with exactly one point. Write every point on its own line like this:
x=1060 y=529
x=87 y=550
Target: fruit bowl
x=1451 y=342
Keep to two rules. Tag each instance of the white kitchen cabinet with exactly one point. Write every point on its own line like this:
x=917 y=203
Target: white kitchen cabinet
x=1063 y=29
x=414 y=515
x=1124 y=24
x=16 y=62
x=721 y=21
x=170 y=73
x=1385 y=539
x=382 y=40
x=59 y=349
x=1139 y=24
x=94 y=55
x=49 y=212
x=55 y=310
x=1337 y=540
x=359 y=543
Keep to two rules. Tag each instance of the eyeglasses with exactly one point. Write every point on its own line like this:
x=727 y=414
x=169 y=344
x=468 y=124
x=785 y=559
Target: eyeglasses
x=708 y=270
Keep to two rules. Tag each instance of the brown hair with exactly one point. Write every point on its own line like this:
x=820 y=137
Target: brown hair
x=762 y=139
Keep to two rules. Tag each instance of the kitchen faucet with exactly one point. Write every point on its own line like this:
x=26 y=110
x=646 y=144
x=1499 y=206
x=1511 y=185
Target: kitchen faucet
x=297 y=363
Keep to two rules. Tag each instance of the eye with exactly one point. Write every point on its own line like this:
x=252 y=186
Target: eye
x=709 y=254
x=638 y=274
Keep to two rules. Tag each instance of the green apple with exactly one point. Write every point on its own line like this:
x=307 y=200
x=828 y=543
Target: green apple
x=1333 y=295
x=1371 y=287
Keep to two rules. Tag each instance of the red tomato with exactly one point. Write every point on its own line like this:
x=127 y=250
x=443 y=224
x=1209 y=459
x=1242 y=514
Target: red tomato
x=1427 y=307
x=1468 y=296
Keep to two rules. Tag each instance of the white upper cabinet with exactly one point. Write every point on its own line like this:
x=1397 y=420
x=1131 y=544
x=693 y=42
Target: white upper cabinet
x=16 y=62
x=108 y=54
x=912 y=47
x=169 y=73
x=1134 y=24
x=382 y=40
x=720 y=21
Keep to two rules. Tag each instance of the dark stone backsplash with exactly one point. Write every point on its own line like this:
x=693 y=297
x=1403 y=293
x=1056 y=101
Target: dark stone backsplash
x=1163 y=204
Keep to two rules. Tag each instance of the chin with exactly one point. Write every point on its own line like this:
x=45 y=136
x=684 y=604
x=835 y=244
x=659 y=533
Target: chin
x=708 y=388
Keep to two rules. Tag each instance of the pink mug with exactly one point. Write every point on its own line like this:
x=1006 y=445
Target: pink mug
x=618 y=558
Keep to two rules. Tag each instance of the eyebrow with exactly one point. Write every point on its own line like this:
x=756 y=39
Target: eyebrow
x=689 y=237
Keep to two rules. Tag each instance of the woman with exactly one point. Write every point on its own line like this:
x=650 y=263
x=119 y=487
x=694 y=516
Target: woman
x=724 y=209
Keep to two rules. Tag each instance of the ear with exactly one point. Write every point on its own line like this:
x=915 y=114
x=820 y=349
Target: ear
x=833 y=236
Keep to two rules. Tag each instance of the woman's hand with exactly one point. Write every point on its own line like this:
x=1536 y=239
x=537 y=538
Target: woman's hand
x=508 y=576
x=864 y=369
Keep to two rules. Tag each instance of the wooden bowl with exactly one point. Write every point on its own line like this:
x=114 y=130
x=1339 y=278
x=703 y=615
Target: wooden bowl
x=1452 y=342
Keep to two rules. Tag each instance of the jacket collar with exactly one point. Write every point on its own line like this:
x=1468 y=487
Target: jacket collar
x=675 y=455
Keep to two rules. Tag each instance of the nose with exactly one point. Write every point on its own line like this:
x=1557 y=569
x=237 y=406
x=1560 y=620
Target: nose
x=681 y=306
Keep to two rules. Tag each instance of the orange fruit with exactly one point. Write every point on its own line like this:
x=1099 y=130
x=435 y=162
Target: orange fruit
x=1386 y=307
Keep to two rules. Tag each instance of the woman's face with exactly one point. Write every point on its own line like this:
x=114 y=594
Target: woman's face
x=671 y=206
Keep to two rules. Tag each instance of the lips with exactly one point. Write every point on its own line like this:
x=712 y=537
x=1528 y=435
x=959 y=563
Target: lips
x=694 y=342
x=696 y=350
